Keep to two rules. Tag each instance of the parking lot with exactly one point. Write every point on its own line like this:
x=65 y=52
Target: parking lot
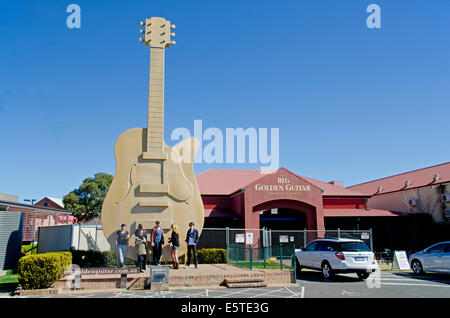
x=311 y=285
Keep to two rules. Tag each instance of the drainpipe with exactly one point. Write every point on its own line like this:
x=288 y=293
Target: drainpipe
x=365 y=203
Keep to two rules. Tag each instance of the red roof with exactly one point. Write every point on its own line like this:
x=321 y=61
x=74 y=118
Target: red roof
x=228 y=181
x=360 y=212
x=414 y=179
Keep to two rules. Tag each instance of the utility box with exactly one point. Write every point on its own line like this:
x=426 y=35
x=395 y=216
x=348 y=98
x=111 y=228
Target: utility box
x=72 y=237
x=11 y=227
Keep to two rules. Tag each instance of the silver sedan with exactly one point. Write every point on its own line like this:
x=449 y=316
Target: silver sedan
x=435 y=258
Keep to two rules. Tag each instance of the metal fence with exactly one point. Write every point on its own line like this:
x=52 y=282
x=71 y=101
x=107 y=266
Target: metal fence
x=263 y=257
x=264 y=248
x=257 y=238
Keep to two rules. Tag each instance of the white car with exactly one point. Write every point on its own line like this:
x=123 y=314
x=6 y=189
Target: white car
x=333 y=256
x=435 y=258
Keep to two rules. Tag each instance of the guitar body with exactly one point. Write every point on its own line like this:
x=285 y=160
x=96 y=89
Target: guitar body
x=146 y=189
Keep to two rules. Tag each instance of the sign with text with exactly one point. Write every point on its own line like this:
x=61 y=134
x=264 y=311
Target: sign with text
x=103 y=271
x=240 y=238
x=159 y=275
x=400 y=261
x=249 y=238
x=284 y=238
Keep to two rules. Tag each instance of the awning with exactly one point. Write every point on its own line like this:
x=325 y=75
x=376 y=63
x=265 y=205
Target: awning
x=215 y=213
x=360 y=212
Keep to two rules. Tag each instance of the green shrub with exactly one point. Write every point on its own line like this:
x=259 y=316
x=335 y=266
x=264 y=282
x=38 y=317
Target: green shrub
x=42 y=270
x=110 y=258
x=93 y=258
x=89 y=258
x=212 y=256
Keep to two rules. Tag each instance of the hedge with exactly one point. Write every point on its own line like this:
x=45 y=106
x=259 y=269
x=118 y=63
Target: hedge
x=212 y=256
x=93 y=258
x=42 y=270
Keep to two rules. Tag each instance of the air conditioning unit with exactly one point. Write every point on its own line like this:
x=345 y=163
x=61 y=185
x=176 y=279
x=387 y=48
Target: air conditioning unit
x=413 y=203
x=447 y=213
x=445 y=197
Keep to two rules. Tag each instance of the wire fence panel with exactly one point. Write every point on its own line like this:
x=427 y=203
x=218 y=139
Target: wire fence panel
x=265 y=248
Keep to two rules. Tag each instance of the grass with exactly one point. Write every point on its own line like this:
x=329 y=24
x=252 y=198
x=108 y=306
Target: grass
x=8 y=282
x=30 y=248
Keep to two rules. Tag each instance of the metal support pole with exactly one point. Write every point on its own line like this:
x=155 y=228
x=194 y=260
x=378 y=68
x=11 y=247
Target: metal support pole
x=294 y=265
x=264 y=256
x=251 y=256
x=281 y=256
x=339 y=233
x=227 y=233
x=371 y=239
x=304 y=238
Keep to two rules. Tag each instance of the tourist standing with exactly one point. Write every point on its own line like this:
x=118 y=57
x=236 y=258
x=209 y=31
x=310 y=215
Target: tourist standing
x=192 y=240
x=140 y=227
x=141 y=250
x=122 y=244
x=175 y=240
x=157 y=241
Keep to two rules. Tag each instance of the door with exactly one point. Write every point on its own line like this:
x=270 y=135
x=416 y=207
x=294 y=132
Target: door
x=307 y=254
x=432 y=259
x=445 y=259
x=322 y=248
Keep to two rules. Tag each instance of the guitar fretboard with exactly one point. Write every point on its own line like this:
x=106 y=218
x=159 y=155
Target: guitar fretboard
x=155 y=131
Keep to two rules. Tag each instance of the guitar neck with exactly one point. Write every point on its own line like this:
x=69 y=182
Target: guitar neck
x=155 y=131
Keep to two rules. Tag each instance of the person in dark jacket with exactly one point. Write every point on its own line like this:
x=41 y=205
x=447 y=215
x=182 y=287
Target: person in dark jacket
x=175 y=240
x=157 y=241
x=141 y=250
x=140 y=228
x=192 y=240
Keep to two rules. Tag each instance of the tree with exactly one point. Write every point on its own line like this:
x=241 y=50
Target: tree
x=86 y=202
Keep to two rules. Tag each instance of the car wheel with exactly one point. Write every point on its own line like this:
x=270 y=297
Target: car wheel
x=363 y=276
x=327 y=271
x=417 y=267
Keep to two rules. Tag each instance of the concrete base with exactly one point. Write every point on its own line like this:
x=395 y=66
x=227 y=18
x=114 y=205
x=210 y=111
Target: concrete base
x=206 y=276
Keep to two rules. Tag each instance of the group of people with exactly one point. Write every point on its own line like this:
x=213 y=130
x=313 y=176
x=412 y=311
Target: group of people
x=156 y=241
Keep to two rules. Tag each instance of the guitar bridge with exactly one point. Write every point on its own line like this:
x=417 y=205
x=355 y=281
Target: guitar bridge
x=154 y=188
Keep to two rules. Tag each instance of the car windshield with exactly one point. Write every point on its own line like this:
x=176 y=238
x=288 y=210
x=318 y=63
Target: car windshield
x=353 y=247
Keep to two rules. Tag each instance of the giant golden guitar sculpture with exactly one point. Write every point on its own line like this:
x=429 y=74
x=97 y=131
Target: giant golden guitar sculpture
x=153 y=181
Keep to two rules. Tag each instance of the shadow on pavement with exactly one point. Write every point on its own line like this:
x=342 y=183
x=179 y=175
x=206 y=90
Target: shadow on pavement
x=432 y=277
x=313 y=276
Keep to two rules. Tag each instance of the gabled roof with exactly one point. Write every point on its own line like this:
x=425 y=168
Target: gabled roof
x=228 y=181
x=408 y=180
x=57 y=201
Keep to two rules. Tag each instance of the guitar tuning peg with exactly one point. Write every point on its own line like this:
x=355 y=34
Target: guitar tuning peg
x=172 y=26
x=172 y=42
x=141 y=31
x=172 y=34
x=141 y=40
x=142 y=23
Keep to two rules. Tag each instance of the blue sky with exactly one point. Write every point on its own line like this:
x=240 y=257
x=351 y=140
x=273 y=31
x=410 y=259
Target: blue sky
x=351 y=103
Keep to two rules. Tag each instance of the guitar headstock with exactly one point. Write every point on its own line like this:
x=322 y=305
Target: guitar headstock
x=157 y=32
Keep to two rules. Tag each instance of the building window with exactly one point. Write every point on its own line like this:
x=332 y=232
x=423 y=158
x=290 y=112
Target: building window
x=45 y=204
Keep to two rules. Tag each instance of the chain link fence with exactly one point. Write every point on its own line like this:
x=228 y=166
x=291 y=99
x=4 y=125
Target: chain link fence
x=265 y=248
